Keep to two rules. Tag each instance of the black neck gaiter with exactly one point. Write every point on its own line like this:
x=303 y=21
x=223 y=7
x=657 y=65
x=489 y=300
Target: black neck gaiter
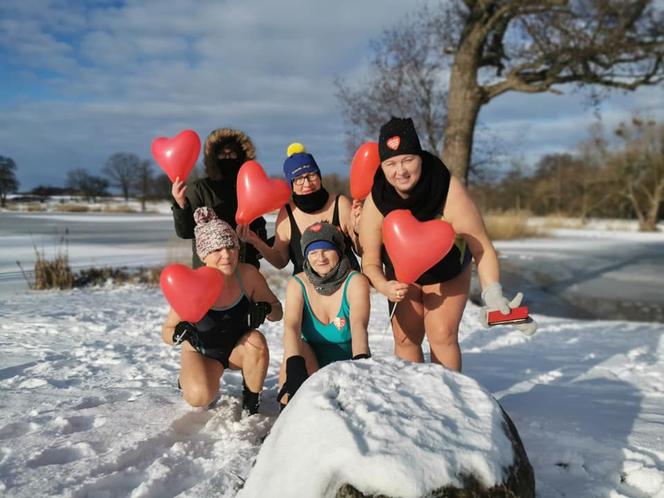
x=228 y=168
x=310 y=203
x=427 y=198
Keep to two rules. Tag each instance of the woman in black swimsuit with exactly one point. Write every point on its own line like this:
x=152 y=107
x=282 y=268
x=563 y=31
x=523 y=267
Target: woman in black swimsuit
x=227 y=336
x=413 y=179
x=310 y=203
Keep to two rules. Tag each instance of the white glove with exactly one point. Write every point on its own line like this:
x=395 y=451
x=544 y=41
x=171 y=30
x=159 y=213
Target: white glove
x=494 y=300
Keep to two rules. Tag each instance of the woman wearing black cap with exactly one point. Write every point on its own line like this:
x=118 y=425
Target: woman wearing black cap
x=310 y=203
x=226 y=150
x=413 y=179
x=327 y=310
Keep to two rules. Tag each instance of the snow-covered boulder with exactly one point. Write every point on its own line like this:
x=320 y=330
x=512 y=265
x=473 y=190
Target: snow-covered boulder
x=391 y=428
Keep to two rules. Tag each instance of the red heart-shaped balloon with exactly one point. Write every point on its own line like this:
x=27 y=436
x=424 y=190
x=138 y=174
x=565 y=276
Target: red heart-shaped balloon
x=415 y=246
x=257 y=194
x=362 y=170
x=178 y=155
x=191 y=293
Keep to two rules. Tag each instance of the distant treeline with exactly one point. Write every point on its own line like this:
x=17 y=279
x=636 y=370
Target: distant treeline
x=621 y=176
x=618 y=178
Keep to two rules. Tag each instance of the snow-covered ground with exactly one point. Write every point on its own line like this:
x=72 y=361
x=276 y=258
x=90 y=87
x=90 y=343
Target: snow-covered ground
x=90 y=406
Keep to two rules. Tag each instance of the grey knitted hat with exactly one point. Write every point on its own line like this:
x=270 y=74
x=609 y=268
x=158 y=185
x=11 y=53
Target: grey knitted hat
x=211 y=233
x=322 y=231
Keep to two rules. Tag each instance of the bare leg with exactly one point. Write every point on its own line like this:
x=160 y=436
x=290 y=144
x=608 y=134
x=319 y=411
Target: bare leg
x=408 y=326
x=443 y=307
x=199 y=377
x=252 y=356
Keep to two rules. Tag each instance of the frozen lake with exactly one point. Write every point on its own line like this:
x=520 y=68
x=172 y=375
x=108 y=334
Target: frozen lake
x=575 y=273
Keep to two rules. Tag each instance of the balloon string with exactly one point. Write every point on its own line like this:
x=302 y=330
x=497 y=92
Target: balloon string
x=389 y=321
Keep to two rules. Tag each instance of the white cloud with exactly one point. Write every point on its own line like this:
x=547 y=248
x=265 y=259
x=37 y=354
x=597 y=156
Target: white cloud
x=123 y=73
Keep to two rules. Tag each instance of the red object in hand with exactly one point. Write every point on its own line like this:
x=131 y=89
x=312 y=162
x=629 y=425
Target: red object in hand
x=191 y=293
x=516 y=315
x=177 y=156
x=257 y=194
x=362 y=170
x=415 y=246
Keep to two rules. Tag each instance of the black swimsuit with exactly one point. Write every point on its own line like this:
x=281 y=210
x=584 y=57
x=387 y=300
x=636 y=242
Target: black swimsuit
x=221 y=328
x=295 y=251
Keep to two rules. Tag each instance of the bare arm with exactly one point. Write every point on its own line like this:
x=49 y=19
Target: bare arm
x=461 y=211
x=358 y=298
x=293 y=319
x=167 y=329
x=355 y=217
x=371 y=236
x=258 y=290
x=277 y=253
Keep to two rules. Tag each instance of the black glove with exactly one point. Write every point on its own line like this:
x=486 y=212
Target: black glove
x=296 y=374
x=362 y=356
x=184 y=331
x=257 y=313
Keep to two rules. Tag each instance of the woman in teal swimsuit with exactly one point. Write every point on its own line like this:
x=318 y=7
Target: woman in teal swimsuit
x=327 y=310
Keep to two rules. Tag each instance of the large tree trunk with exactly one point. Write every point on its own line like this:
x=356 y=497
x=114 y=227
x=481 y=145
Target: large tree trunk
x=463 y=106
x=649 y=223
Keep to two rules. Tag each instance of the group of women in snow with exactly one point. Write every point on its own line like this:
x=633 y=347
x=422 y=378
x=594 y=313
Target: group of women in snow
x=327 y=298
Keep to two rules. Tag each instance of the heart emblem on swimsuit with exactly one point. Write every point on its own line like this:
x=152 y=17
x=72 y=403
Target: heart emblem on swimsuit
x=257 y=194
x=339 y=322
x=178 y=155
x=191 y=293
x=415 y=246
x=393 y=143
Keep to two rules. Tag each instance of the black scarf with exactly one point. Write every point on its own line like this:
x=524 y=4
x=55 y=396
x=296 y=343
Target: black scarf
x=425 y=200
x=329 y=283
x=310 y=203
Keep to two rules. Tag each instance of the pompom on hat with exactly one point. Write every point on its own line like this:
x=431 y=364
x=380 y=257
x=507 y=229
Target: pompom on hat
x=299 y=162
x=397 y=137
x=211 y=233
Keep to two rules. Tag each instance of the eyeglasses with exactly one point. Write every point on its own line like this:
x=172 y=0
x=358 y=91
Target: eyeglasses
x=310 y=177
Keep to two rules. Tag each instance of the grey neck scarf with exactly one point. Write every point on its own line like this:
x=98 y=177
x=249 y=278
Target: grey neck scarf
x=328 y=284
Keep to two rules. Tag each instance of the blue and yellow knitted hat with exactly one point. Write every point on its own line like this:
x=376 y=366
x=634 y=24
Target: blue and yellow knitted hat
x=298 y=162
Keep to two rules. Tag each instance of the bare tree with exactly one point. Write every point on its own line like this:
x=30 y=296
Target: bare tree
x=497 y=46
x=88 y=185
x=122 y=168
x=144 y=179
x=8 y=181
x=595 y=184
x=406 y=78
x=639 y=169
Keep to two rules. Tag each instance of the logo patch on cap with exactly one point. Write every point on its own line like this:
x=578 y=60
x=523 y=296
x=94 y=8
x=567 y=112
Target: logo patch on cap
x=393 y=143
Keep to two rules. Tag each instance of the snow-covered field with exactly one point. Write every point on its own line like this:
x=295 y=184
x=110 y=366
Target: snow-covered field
x=90 y=406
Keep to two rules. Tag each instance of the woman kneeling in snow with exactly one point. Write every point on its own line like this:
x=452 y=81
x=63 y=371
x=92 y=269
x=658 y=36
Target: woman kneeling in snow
x=327 y=310
x=227 y=336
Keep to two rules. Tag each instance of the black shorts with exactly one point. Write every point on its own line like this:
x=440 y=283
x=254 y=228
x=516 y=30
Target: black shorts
x=443 y=271
x=218 y=347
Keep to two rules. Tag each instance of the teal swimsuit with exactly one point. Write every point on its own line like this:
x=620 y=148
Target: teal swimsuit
x=331 y=342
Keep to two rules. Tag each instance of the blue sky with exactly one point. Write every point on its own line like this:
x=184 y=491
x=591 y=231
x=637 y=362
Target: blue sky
x=80 y=81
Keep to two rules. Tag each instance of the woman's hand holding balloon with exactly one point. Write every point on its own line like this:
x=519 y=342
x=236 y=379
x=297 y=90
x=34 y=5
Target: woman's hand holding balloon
x=178 y=191
x=246 y=234
x=394 y=291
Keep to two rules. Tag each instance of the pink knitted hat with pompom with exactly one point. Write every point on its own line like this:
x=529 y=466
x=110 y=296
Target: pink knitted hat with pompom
x=212 y=233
